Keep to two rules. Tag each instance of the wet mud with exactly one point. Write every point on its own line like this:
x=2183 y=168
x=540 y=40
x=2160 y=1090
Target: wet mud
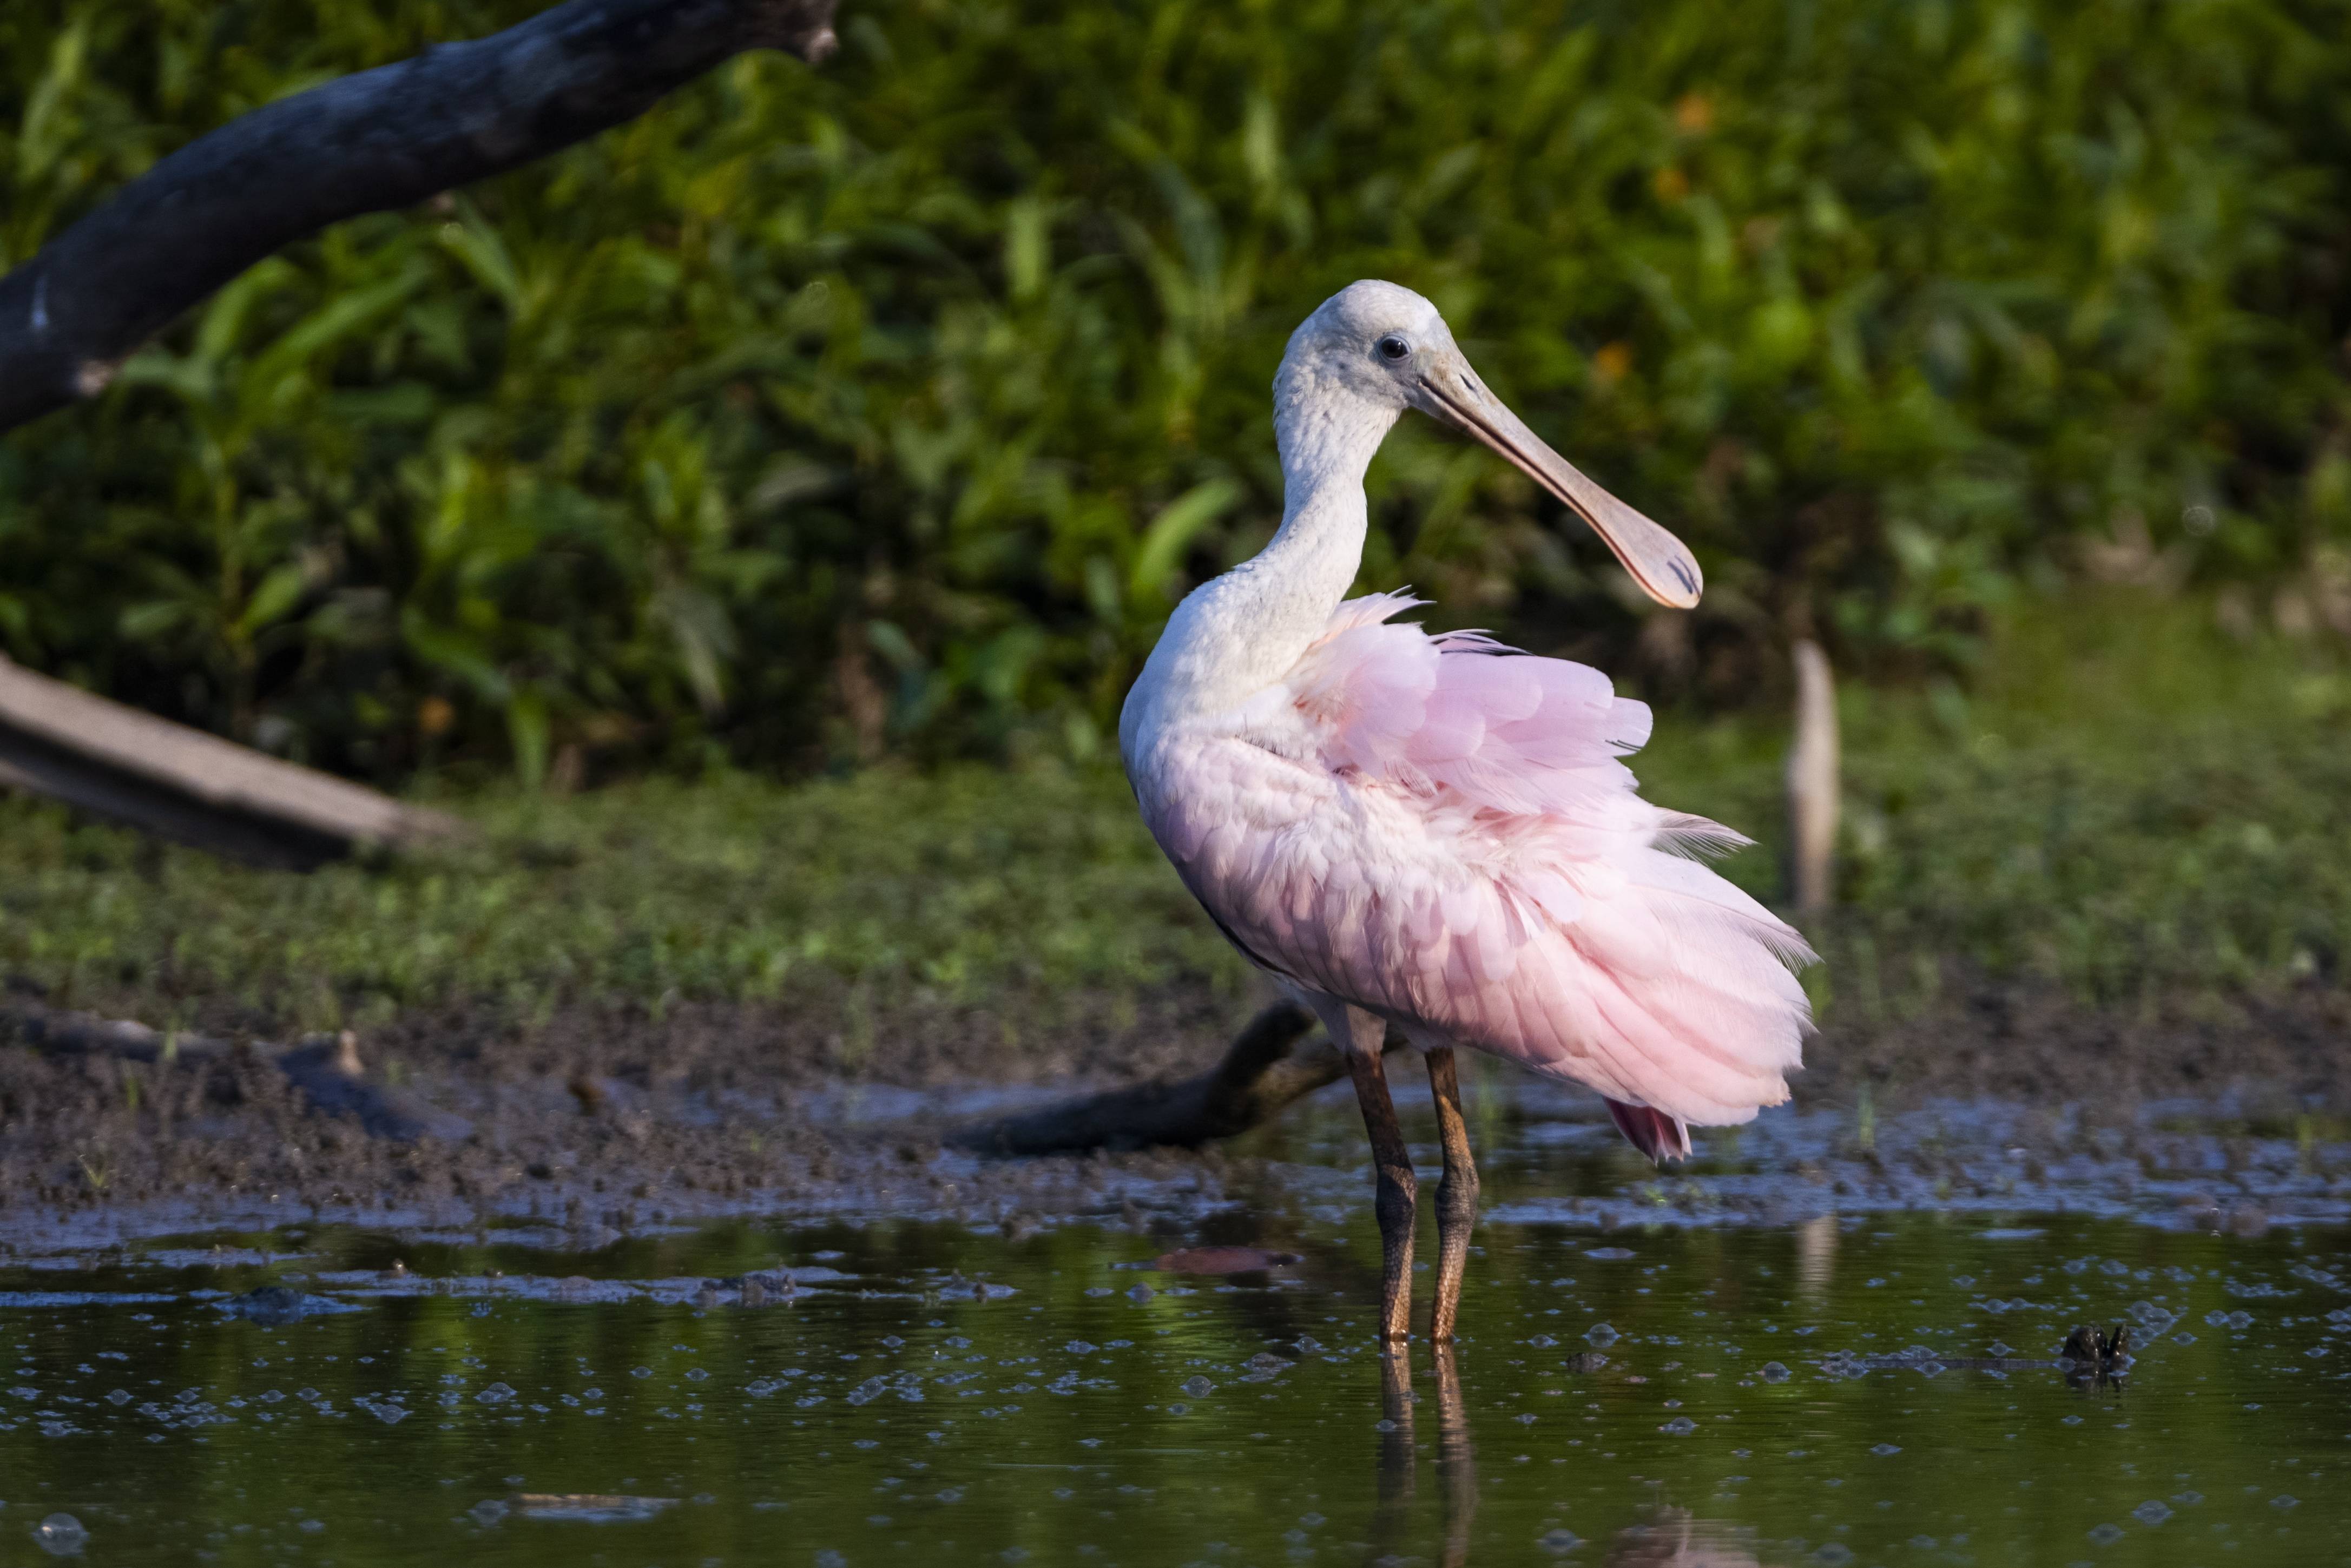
x=611 y=1121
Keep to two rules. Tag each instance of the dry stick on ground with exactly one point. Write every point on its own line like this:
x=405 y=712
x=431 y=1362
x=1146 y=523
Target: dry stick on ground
x=370 y=142
x=1813 y=784
x=1263 y=1072
x=326 y=1069
x=182 y=784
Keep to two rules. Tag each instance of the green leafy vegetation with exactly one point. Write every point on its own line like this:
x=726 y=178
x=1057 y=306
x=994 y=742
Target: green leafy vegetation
x=885 y=408
x=2130 y=806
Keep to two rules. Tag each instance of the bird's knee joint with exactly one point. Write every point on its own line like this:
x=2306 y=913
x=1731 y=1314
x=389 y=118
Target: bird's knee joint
x=1398 y=1191
x=1458 y=1193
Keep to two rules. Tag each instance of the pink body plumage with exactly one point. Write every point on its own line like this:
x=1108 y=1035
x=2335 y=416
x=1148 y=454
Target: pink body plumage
x=1441 y=831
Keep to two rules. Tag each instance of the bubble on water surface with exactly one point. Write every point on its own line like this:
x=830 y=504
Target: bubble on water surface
x=60 y=1535
x=1681 y=1426
x=1601 y=1335
x=1773 y=1372
x=1560 y=1543
x=1882 y=1450
x=2150 y=1512
x=487 y=1511
x=1198 y=1387
x=2283 y=1500
x=2106 y=1534
x=1608 y=1254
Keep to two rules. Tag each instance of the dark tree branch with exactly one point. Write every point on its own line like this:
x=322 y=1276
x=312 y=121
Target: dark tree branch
x=370 y=142
x=1263 y=1073
x=326 y=1069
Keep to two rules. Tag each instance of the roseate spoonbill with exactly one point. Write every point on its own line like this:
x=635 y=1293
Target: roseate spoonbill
x=1435 y=833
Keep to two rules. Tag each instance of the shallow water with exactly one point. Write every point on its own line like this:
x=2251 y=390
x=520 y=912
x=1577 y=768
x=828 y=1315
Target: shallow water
x=939 y=1392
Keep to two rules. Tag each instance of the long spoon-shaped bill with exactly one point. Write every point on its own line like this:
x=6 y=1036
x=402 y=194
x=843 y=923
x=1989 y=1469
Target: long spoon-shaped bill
x=1659 y=562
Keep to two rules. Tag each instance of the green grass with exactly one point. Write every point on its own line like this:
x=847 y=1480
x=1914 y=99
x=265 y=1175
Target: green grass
x=2127 y=804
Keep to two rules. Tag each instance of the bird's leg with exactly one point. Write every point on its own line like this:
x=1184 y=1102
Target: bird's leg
x=1457 y=1195
x=1394 y=1188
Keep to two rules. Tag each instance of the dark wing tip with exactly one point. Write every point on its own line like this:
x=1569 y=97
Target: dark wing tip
x=1654 y=1134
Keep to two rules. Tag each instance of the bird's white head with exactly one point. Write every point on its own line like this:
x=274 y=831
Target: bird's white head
x=1373 y=350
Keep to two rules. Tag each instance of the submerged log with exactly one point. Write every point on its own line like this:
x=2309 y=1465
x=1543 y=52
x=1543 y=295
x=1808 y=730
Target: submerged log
x=326 y=1069
x=196 y=788
x=1264 y=1071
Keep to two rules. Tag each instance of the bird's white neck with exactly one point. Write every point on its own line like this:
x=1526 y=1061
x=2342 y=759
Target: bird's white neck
x=1238 y=634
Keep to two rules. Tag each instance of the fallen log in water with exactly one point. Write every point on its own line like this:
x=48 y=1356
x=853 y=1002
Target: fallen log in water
x=325 y=1068
x=1263 y=1072
x=196 y=788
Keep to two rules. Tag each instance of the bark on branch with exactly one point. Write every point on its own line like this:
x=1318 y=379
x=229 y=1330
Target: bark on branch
x=379 y=140
x=1264 y=1071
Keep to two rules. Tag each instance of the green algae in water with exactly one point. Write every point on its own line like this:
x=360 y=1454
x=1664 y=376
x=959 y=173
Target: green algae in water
x=1837 y=1392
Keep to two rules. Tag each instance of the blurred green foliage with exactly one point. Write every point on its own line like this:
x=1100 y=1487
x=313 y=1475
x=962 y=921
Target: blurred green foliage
x=2130 y=810
x=887 y=407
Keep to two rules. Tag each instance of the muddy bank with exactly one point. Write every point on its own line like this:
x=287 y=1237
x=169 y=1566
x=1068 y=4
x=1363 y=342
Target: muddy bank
x=601 y=1121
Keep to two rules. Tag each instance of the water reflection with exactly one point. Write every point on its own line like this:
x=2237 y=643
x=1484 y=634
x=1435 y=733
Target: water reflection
x=1399 y=1454
x=1678 y=1539
x=1675 y=1538
x=944 y=1393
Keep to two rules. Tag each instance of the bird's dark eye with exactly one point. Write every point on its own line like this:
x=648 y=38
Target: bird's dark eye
x=1393 y=347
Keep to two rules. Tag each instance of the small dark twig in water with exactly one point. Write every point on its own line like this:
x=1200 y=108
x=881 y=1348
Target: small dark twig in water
x=2089 y=1350
x=326 y=1069
x=1263 y=1073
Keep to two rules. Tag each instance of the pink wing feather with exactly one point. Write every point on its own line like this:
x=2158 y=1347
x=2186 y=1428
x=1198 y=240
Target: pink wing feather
x=1442 y=831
